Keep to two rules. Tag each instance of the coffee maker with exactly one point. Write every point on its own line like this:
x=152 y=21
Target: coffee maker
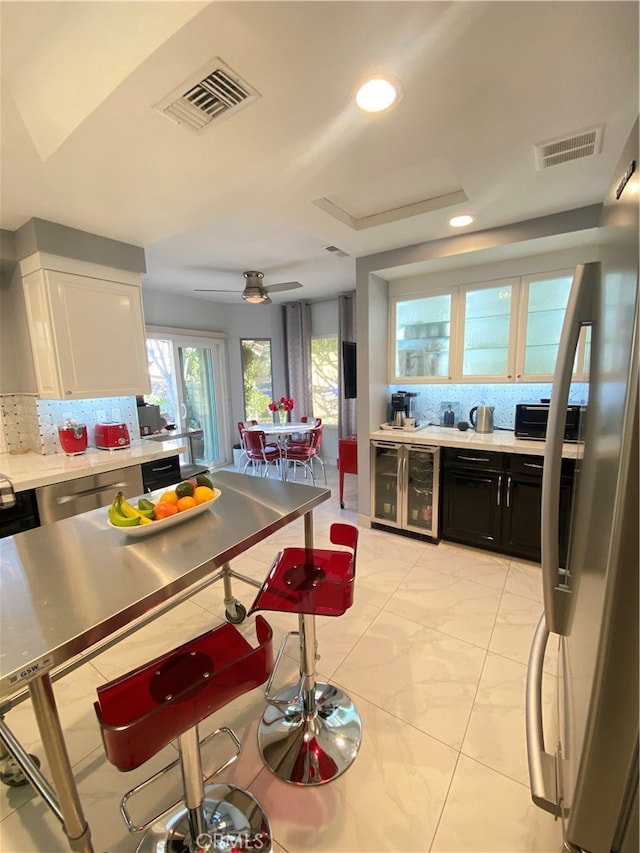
x=402 y=408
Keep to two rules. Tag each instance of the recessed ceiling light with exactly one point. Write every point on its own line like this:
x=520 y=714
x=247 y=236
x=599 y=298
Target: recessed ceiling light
x=378 y=93
x=462 y=220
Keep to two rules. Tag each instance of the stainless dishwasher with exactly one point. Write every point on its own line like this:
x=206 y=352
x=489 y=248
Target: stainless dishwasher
x=71 y=497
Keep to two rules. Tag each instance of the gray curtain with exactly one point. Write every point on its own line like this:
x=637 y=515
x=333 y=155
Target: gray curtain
x=296 y=318
x=347 y=332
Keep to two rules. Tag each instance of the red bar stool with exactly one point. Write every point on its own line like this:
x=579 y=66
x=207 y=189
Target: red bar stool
x=164 y=700
x=311 y=732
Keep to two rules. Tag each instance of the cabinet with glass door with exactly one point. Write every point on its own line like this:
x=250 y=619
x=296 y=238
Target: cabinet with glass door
x=421 y=338
x=489 y=324
x=543 y=304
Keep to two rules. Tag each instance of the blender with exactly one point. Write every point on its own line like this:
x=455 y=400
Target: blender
x=73 y=437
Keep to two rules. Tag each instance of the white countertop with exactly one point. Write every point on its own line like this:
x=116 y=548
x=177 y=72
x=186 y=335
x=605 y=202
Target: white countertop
x=502 y=441
x=30 y=470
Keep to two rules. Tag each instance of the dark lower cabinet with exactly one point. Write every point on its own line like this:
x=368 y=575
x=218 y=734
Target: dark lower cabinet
x=492 y=500
x=470 y=508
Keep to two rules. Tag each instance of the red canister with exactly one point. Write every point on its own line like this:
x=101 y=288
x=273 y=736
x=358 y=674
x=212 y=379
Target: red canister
x=73 y=437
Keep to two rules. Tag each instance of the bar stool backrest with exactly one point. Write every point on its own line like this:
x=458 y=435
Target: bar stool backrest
x=143 y=711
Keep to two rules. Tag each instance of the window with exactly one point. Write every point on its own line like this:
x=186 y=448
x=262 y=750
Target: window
x=324 y=379
x=257 y=378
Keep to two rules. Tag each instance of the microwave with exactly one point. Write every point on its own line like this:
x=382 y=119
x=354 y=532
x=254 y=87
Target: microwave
x=531 y=421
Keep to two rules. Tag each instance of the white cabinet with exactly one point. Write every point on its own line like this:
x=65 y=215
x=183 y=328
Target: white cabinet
x=87 y=335
x=488 y=316
x=544 y=302
x=421 y=332
x=506 y=330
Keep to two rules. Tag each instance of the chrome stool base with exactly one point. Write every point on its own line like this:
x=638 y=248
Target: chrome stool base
x=233 y=820
x=314 y=749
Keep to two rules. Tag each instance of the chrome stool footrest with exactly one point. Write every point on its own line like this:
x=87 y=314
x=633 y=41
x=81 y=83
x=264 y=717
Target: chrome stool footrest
x=310 y=748
x=131 y=824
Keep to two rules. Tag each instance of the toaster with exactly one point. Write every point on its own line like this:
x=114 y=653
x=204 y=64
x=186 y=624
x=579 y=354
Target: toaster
x=112 y=436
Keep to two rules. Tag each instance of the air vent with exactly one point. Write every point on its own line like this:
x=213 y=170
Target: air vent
x=336 y=251
x=567 y=148
x=211 y=93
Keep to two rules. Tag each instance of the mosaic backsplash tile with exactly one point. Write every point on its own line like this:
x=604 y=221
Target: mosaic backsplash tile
x=432 y=398
x=30 y=424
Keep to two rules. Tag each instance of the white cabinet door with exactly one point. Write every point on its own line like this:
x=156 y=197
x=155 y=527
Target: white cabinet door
x=421 y=339
x=543 y=305
x=489 y=322
x=87 y=336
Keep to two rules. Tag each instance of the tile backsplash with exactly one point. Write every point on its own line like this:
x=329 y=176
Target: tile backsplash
x=28 y=424
x=433 y=399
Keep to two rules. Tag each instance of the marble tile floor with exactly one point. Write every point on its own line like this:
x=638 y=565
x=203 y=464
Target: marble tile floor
x=434 y=654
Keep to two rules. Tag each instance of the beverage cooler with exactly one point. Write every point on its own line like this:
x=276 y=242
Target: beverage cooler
x=404 y=487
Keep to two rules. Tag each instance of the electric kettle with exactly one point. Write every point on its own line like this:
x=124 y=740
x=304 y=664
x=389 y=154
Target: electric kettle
x=484 y=421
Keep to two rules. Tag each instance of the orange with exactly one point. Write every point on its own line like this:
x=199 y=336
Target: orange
x=164 y=509
x=202 y=494
x=187 y=502
x=169 y=497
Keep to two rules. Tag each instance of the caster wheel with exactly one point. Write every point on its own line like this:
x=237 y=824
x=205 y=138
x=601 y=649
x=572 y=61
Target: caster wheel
x=341 y=504
x=11 y=774
x=239 y=616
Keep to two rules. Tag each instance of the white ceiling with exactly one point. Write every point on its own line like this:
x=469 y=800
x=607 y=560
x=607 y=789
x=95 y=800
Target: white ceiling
x=483 y=83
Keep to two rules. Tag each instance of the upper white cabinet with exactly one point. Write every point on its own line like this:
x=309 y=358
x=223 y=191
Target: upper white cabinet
x=87 y=334
x=507 y=330
x=544 y=302
x=422 y=331
x=488 y=318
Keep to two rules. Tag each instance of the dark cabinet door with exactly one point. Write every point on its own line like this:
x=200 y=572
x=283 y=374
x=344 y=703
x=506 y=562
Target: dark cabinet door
x=521 y=528
x=471 y=506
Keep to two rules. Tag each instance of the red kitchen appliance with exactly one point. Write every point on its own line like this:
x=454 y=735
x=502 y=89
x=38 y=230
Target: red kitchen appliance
x=73 y=437
x=112 y=436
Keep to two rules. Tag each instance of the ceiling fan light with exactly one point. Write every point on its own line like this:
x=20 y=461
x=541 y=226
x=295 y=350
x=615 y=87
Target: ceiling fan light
x=254 y=296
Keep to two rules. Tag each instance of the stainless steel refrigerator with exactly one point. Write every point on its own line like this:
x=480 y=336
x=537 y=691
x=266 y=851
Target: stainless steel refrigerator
x=587 y=772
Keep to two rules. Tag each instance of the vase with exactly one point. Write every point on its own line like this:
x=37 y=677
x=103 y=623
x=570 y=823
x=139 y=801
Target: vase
x=282 y=415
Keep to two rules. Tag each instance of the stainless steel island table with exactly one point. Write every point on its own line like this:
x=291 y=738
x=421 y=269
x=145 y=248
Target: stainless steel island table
x=68 y=587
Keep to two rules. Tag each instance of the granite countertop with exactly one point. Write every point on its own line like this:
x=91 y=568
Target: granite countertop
x=30 y=470
x=502 y=441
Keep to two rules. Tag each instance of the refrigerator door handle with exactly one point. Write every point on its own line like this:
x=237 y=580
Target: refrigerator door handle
x=579 y=313
x=543 y=780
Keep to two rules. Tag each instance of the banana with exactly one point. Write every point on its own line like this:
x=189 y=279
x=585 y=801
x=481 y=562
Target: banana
x=130 y=511
x=116 y=518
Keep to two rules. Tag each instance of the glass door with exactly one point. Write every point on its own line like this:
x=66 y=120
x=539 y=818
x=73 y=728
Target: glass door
x=544 y=302
x=385 y=487
x=422 y=506
x=489 y=331
x=189 y=383
x=421 y=330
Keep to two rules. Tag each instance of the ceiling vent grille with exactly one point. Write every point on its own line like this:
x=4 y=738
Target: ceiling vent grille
x=211 y=93
x=568 y=148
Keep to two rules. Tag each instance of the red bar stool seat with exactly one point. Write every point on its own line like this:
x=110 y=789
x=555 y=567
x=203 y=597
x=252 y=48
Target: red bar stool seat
x=164 y=700
x=311 y=732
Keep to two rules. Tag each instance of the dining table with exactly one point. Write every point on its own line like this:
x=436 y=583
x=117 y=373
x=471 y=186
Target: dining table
x=282 y=431
x=73 y=588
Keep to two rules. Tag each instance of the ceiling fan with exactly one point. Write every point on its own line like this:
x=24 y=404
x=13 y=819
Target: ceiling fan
x=254 y=291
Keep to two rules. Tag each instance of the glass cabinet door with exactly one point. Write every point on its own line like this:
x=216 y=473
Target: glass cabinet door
x=421 y=330
x=385 y=491
x=489 y=333
x=544 y=302
x=421 y=503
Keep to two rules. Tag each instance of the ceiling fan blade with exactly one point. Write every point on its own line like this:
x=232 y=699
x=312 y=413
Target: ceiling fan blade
x=210 y=290
x=285 y=285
